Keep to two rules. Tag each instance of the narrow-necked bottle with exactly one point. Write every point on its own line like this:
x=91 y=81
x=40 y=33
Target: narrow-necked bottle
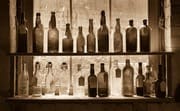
x=38 y=35
x=92 y=82
x=160 y=84
x=102 y=80
x=131 y=37
x=147 y=83
x=23 y=81
x=139 y=81
x=80 y=41
x=53 y=35
x=68 y=41
x=22 y=36
x=128 y=79
x=118 y=40
x=103 y=35
x=145 y=37
x=91 y=40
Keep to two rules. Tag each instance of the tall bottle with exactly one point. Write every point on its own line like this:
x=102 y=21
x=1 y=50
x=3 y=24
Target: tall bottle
x=22 y=36
x=145 y=37
x=36 y=83
x=116 y=79
x=102 y=80
x=103 y=35
x=79 y=82
x=38 y=35
x=80 y=41
x=139 y=81
x=53 y=35
x=128 y=79
x=23 y=81
x=49 y=81
x=118 y=40
x=160 y=84
x=92 y=82
x=68 y=41
x=91 y=40
x=131 y=38
x=148 y=83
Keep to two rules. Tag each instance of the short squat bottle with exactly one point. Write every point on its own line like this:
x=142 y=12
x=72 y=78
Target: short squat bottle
x=128 y=80
x=68 y=41
x=118 y=43
x=53 y=35
x=91 y=40
x=92 y=82
x=145 y=37
x=139 y=81
x=148 y=83
x=131 y=37
x=103 y=35
x=38 y=35
x=102 y=79
x=80 y=41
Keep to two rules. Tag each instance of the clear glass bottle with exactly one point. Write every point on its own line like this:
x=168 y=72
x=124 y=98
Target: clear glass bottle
x=148 y=83
x=92 y=82
x=53 y=35
x=118 y=40
x=22 y=35
x=116 y=80
x=68 y=42
x=49 y=81
x=128 y=79
x=38 y=35
x=23 y=81
x=160 y=84
x=36 y=83
x=145 y=37
x=103 y=34
x=80 y=41
x=102 y=80
x=91 y=40
x=131 y=37
x=139 y=81
x=79 y=82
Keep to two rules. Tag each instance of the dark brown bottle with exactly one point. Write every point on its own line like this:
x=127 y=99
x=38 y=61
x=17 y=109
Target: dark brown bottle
x=145 y=37
x=53 y=35
x=160 y=84
x=80 y=41
x=22 y=36
x=103 y=35
x=102 y=79
x=38 y=35
x=92 y=82
x=68 y=42
x=131 y=38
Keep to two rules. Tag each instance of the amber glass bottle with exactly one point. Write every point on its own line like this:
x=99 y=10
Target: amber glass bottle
x=80 y=41
x=92 y=82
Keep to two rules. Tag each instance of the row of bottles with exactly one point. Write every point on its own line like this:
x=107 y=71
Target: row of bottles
x=67 y=43
x=116 y=83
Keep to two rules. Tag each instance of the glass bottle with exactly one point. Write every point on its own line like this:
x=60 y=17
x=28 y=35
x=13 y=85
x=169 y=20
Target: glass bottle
x=118 y=43
x=79 y=82
x=128 y=79
x=145 y=37
x=49 y=81
x=91 y=40
x=131 y=38
x=36 y=83
x=116 y=80
x=160 y=84
x=103 y=35
x=80 y=41
x=102 y=80
x=22 y=35
x=92 y=82
x=139 y=81
x=38 y=35
x=23 y=81
x=53 y=35
x=147 y=82
x=68 y=42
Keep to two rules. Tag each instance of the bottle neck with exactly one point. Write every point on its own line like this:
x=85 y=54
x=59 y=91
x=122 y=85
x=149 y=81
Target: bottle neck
x=68 y=32
x=140 y=70
x=92 y=70
x=103 y=20
x=102 y=68
x=24 y=69
x=117 y=28
x=53 y=21
x=90 y=28
x=38 y=21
